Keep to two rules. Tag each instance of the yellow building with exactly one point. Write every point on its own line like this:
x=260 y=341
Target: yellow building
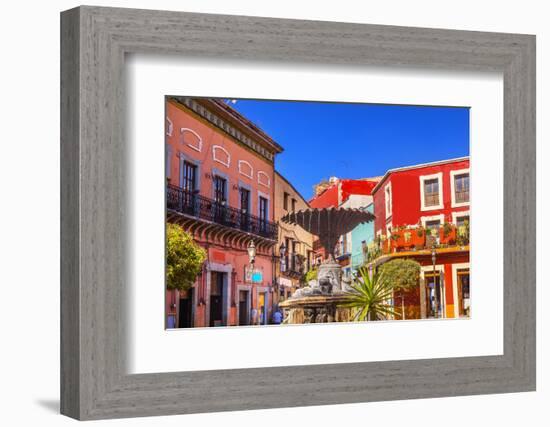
x=295 y=245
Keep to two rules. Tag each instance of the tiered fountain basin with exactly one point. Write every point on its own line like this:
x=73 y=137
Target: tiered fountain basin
x=321 y=300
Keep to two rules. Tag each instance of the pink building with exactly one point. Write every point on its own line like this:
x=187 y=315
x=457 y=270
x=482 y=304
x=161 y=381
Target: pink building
x=220 y=188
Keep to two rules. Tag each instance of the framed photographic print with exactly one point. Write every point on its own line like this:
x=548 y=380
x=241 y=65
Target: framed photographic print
x=260 y=213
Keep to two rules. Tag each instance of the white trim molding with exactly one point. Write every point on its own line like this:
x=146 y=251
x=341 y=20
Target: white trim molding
x=440 y=268
x=440 y=217
x=455 y=268
x=198 y=146
x=452 y=175
x=169 y=126
x=457 y=214
x=215 y=149
x=388 y=200
x=243 y=172
x=266 y=183
x=422 y=178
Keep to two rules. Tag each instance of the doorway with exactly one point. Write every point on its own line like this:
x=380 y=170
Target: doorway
x=185 y=317
x=433 y=294
x=262 y=307
x=244 y=308
x=217 y=280
x=463 y=280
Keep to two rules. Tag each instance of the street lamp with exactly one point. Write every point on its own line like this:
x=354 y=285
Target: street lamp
x=436 y=314
x=251 y=252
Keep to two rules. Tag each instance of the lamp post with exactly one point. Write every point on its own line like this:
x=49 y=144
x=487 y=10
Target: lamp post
x=251 y=252
x=436 y=314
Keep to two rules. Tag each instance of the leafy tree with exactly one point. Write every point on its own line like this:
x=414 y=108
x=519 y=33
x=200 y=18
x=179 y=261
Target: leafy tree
x=403 y=274
x=369 y=296
x=184 y=258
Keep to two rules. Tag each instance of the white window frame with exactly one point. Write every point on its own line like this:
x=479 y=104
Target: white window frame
x=453 y=173
x=215 y=148
x=170 y=127
x=455 y=268
x=194 y=147
x=440 y=268
x=425 y=219
x=440 y=217
x=388 y=200
x=242 y=172
x=458 y=214
x=439 y=177
x=267 y=183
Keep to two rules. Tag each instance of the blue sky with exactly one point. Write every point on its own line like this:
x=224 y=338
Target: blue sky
x=356 y=140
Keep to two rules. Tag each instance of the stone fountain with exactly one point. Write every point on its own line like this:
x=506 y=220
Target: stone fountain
x=318 y=302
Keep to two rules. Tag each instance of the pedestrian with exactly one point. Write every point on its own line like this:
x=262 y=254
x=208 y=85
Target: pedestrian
x=254 y=316
x=277 y=317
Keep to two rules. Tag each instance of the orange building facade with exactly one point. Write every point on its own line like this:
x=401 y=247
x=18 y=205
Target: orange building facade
x=220 y=189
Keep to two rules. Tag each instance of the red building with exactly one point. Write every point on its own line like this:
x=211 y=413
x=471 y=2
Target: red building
x=422 y=212
x=220 y=188
x=339 y=193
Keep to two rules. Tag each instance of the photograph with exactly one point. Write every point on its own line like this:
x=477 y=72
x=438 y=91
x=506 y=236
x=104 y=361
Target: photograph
x=298 y=212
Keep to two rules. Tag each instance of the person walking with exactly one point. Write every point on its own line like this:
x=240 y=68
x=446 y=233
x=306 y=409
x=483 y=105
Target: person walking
x=277 y=317
x=254 y=316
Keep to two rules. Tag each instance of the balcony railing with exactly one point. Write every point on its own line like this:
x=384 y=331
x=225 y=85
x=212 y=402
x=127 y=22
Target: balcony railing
x=195 y=205
x=294 y=265
x=418 y=238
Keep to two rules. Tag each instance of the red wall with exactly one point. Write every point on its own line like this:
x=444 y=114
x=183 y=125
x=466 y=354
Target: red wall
x=406 y=195
x=327 y=199
x=339 y=192
x=353 y=186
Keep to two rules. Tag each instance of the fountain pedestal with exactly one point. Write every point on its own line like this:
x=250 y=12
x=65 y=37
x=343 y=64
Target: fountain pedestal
x=321 y=300
x=315 y=309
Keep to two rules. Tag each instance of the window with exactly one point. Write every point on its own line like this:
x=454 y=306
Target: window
x=219 y=189
x=462 y=188
x=431 y=192
x=245 y=199
x=263 y=213
x=168 y=162
x=432 y=231
x=245 y=208
x=285 y=201
x=433 y=224
x=293 y=205
x=462 y=220
x=189 y=176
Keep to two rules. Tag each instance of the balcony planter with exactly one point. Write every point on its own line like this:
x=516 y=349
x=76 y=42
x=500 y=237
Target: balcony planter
x=408 y=239
x=447 y=235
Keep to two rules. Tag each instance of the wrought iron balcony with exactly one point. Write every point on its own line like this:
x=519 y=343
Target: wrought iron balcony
x=200 y=207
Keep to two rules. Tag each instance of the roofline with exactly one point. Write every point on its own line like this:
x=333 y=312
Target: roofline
x=418 y=166
x=248 y=123
x=294 y=188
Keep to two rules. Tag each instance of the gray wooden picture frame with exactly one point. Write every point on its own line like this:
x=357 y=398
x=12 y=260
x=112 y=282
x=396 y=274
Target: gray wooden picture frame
x=94 y=41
